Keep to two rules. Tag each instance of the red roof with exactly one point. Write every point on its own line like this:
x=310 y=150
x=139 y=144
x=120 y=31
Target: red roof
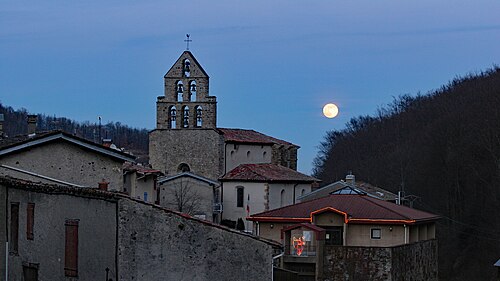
x=249 y=136
x=354 y=208
x=139 y=169
x=266 y=173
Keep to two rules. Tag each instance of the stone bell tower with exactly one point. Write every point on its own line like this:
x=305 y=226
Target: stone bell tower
x=185 y=138
x=186 y=103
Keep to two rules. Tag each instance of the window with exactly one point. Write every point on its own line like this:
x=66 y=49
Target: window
x=192 y=91
x=30 y=221
x=179 y=87
x=333 y=235
x=199 y=120
x=282 y=198
x=30 y=271
x=239 y=196
x=145 y=196
x=376 y=233
x=183 y=167
x=172 y=117
x=14 y=227
x=71 y=249
x=303 y=192
x=185 y=118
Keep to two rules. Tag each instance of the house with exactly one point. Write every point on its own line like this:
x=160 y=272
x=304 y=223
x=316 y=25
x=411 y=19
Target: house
x=141 y=182
x=61 y=158
x=57 y=232
x=253 y=188
x=356 y=187
x=347 y=236
x=191 y=194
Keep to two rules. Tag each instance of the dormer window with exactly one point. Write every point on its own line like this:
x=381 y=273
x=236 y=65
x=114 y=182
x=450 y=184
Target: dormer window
x=185 y=115
x=187 y=67
x=192 y=91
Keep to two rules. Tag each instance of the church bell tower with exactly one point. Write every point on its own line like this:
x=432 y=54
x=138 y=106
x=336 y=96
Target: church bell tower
x=186 y=104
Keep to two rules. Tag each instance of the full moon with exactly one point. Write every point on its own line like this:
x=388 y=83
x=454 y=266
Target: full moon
x=330 y=110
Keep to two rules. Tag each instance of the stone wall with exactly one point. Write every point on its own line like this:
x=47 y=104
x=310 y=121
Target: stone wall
x=201 y=149
x=155 y=244
x=417 y=261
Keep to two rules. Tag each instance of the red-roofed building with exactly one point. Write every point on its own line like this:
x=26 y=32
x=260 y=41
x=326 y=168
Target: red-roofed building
x=253 y=188
x=351 y=225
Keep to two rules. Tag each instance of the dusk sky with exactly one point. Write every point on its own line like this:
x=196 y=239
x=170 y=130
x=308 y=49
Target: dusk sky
x=272 y=64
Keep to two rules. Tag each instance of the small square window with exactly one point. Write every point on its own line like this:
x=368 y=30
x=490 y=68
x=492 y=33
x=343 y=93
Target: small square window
x=376 y=233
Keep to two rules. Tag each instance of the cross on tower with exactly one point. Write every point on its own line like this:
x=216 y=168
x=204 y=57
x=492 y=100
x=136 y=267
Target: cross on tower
x=187 y=41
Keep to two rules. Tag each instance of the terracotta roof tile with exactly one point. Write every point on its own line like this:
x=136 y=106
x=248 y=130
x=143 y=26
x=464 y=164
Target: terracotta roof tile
x=357 y=207
x=266 y=172
x=249 y=136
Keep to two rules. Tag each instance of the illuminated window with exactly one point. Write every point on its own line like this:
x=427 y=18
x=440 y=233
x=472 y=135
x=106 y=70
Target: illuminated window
x=376 y=233
x=239 y=196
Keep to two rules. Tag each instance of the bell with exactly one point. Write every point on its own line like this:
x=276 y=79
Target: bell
x=193 y=87
x=179 y=88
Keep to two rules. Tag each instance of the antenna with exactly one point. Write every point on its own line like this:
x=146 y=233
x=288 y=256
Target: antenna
x=187 y=41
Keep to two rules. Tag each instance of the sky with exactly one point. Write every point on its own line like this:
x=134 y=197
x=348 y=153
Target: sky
x=272 y=64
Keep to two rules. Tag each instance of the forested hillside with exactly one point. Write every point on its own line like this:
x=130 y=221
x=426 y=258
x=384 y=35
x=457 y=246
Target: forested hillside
x=443 y=147
x=123 y=136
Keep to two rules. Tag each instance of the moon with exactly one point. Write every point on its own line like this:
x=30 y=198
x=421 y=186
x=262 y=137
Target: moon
x=330 y=110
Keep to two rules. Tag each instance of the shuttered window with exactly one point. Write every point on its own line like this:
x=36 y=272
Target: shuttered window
x=30 y=221
x=71 y=249
x=14 y=227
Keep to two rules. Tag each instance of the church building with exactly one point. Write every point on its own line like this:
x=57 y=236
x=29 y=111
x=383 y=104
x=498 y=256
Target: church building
x=187 y=139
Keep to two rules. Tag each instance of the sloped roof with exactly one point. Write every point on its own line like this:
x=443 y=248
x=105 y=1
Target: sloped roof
x=190 y=56
x=354 y=208
x=130 y=167
x=371 y=190
x=266 y=172
x=19 y=143
x=250 y=136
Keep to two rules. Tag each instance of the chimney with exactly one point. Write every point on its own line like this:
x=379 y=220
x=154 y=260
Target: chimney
x=350 y=179
x=32 y=124
x=1 y=124
x=103 y=185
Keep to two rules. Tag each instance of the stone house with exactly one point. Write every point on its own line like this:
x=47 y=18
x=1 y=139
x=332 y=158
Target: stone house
x=55 y=232
x=191 y=194
x=348 y=236
x=254 y=188
x=141 y=182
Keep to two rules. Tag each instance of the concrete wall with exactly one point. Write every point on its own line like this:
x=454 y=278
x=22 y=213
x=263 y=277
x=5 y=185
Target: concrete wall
x=198 y=196
x=272 y=230
x=416 y=262
x=328 y=219
x=158 y=245
x=237 y=154
x=360 y=235
x=201 y=149
x=68 y=162
x=138 y=187
x=96 y=235
x=292 y=192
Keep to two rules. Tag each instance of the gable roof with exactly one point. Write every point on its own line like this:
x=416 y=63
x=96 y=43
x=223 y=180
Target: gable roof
x=186 y=55
x=23 y=142
x=187 y=174
x=354 y=208
x=250 y=137
x=266 y=172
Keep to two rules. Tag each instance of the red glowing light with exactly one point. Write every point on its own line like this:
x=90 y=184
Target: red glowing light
x=298 y=244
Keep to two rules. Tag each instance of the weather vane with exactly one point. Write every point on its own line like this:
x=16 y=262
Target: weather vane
x=187 y=41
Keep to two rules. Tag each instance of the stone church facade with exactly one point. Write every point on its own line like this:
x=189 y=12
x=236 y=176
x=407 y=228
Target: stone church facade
x=186 y=138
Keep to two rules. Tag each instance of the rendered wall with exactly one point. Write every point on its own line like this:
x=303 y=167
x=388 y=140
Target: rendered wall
x=68 y=162
x=155 y=244
x=237 y=154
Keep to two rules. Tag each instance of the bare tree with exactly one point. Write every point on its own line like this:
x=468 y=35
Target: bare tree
x=183 y=197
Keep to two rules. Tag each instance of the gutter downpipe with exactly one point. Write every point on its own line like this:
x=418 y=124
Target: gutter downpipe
x=272 y=264
x=406 y=229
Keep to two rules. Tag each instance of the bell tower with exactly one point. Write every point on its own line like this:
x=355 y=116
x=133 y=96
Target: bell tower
x=186 y=104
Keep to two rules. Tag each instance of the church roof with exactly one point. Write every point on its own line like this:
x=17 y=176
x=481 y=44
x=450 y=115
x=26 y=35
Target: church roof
x=356 y=208
x=266 y=172
x=249 y=136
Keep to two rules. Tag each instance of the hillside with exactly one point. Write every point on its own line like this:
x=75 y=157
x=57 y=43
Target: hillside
x=132 y=139
x=443 y=147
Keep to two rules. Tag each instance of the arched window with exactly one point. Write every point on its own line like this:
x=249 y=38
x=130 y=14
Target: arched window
x=185 y=117
x=239 y=196
x=179 y=88
x=282 y=198
x=186 y=65
x=199 y=120
x=172 y=117
x=192 y=91
x=183 y=167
